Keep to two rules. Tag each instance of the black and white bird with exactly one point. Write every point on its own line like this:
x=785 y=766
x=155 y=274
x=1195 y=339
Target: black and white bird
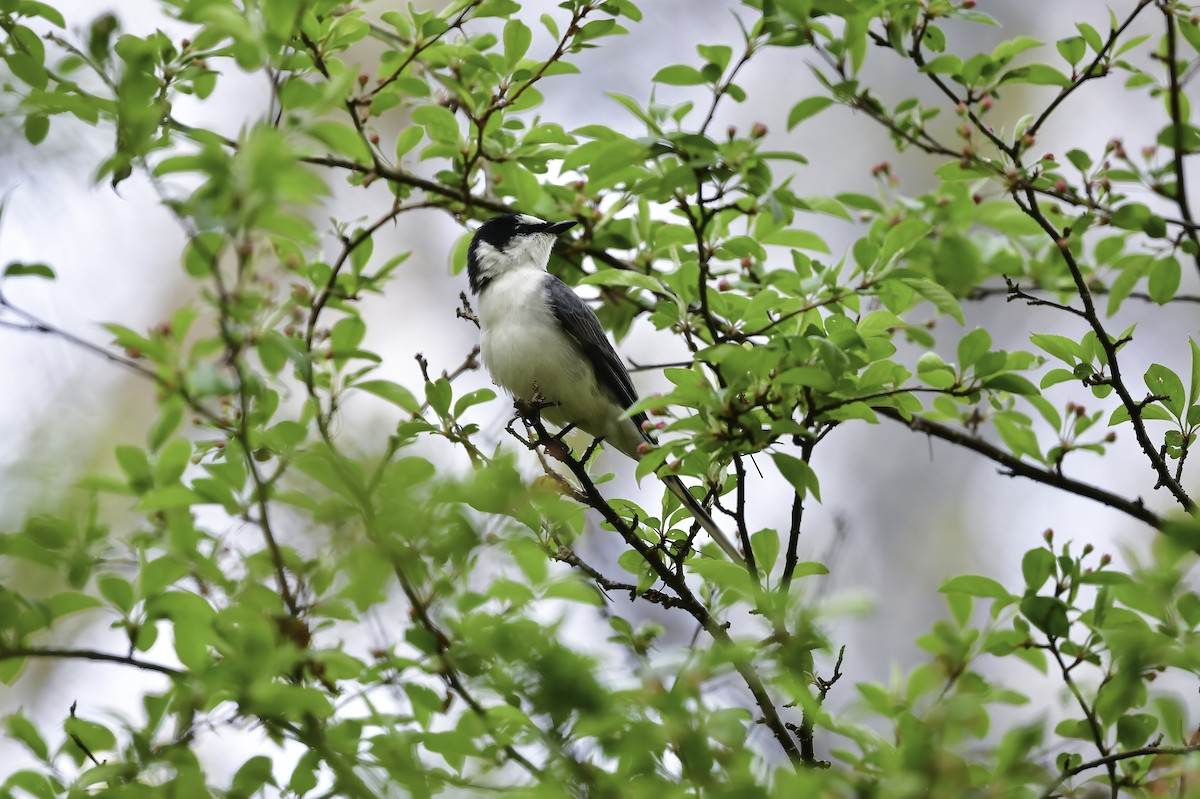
x=536 y=331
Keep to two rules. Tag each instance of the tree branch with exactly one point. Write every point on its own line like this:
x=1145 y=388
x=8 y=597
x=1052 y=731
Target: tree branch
x=1019 y=468
x=10 y=653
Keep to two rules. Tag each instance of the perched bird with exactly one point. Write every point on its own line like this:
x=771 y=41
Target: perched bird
x=536 y=331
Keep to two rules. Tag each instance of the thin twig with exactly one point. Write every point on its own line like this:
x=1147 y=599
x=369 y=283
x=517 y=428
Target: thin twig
x=1019 y=468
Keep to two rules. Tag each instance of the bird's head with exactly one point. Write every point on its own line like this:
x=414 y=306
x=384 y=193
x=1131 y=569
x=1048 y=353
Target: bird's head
x=510 y=242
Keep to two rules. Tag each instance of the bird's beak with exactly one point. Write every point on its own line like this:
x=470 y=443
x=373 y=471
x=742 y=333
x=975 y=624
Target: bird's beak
x=560 y=227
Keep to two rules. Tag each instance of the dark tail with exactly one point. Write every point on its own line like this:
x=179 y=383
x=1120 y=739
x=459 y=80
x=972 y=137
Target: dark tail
x=701 y=515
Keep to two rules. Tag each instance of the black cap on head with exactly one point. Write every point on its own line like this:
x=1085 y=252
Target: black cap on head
x=498 y=231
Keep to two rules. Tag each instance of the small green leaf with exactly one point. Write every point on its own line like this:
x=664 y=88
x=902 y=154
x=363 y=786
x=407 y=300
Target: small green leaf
x=766 y=548
x=473 y=398
x=1037 y=566
x=1091 y=36
x=438 y=393
x=1019 y=438
x=809 y=569
x=409 y=138
x=806 y=108
x=1012 y=383
x=1038 y=75
x=117 y=590
x=393 y=392
x=1061 y=347
x=1194 y=392
x=973 y=346
x=937 y=294
x=29 y=270
x=903 y=237
x=1047 y=614
x=679 y=75
x=975 y=585
x=1162 y=382
x=1163 y=282
x=798 y=473
x=36 y=127
x=22 y=729
x=1072 y=49
x=517 y=38
x=347 y=334
x=624 y=278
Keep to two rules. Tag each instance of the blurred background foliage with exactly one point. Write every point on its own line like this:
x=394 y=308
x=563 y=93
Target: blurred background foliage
x=870 y=254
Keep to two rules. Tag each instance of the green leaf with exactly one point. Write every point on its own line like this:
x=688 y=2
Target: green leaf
x=1061 y=347
x=342 y=139
x=679 y=75
x=517 y=38
x=117 y=590
x=975 y=585
x=973 y=346
x=1163 y=282
x=36 y=127
x=439 y=122
x=1006 y=50
x=623 y=278
x=766 y=548
x=572 y=589
x=392 y=392
x=1047 y=614
x=1019 y=438
x=809 y=569
x=473 y=398
x=251 y=777
x=1162 y=382
x=799 y=474
x=95 y=737
x=1038 y=75
x=1072 y=49
x=903 y=237
x=409 y=138
x=797 y=239
x=22 y=729
x=937 y=294
x=1194 y=392
x=1037 y=566
x=172 y=461
x=438 y=393
x=31 y=782
x=347 y=334
x=1091 y=36
x=1134 y=729
x=29 y=270
x=945 y=64
x=806 y=108
x=1012 y=383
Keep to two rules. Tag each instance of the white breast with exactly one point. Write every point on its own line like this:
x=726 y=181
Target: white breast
x=522 y=347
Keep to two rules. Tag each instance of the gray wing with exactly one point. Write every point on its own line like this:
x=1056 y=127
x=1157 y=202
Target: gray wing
x=580 y=323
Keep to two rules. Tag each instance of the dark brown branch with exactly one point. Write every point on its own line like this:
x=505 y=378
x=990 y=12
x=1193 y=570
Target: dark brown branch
x=740 y=517
x=1089 y=713
x=567 y=555
x=1091 y=72
x=1032 y=209
x=10 y=653
x=1015 y=293
x=1178 y=150
x=792 y=556
x=1019 y=468
x=689 y=601
x=1158 y=751
x=986 y=292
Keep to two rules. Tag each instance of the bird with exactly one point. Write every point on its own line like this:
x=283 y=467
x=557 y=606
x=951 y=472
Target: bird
x=539 y=338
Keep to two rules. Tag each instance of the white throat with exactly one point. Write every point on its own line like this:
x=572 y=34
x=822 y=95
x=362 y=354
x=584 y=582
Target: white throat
x=523 y=252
